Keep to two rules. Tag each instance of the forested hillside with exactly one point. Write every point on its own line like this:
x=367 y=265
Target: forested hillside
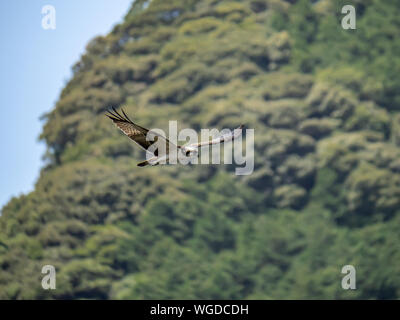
x=325 y=106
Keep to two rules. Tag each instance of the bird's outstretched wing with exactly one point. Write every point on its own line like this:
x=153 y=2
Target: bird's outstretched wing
x=137 y=133
x=223 y=138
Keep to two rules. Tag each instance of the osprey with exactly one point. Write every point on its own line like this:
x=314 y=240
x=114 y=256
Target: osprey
x=139 y=135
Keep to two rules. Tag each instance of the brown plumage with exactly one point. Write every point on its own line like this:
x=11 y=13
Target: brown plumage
x=134 y=131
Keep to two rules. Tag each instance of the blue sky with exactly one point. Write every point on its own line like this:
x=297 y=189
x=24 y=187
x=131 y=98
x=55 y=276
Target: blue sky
x=34 y=66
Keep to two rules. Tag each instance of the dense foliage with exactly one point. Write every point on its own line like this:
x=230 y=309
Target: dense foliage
x=325 y=105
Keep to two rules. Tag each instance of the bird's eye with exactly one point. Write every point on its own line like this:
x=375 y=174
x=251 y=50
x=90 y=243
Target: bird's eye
x=187 y=153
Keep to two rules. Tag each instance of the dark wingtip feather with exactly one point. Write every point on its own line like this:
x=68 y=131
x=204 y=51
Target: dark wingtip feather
x=114 y=115
x=111 y=116
x=119 y=115
x=126 y=116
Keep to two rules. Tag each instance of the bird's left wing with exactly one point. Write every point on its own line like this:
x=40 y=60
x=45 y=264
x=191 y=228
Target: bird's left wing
x=138 y=133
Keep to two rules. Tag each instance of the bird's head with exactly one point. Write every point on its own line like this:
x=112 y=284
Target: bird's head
x=190 y=152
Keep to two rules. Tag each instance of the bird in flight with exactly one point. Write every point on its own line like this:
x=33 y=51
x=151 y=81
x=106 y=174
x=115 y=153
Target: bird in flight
x=160 y=155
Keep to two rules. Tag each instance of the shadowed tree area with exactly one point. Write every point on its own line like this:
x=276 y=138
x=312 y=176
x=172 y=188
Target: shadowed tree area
x=325 y=106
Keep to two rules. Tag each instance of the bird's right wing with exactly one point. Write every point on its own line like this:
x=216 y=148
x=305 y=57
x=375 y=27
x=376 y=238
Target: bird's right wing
x=138 y=133
x=222 y=138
